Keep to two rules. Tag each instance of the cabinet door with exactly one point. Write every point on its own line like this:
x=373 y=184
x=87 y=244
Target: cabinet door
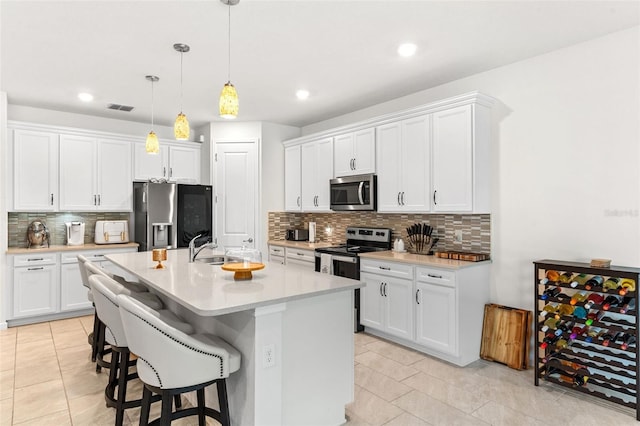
x=114 y=183
x=398 y=307
x=372 y=302
x=292 y=170
x=309 y=163
x=388 y=152
x=343 y=155
x=77 y=173
x=73 y=294
x=150 y=166
x=35 y=171
x=415 y=165
x=324 y=173
x=35 y=290
x=436 y=317
x=184 y=164
x=453 y=160
x=364 y=151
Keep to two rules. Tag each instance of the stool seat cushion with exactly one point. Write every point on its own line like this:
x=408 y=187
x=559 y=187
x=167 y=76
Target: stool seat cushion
x=175 y=321
x=146 y=298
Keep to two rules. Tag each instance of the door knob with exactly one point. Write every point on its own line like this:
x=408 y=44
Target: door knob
x=250 y=240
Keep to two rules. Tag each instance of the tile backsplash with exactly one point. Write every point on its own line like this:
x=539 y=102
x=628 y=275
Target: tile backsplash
x=18 y=223
x=331 y=227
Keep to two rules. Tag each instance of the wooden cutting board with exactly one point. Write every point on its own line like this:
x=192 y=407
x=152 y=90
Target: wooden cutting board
x=505 y=335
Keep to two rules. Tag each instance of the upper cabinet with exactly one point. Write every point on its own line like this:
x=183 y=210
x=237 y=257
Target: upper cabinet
x=35 y=171
x=355 y=153
x=172 y=163
x=460 y=160
x=403 y=165
x=316 y=172
x=292 y=178
x=95 y=174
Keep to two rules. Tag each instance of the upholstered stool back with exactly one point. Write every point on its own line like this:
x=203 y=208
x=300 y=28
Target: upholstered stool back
x=105 y=291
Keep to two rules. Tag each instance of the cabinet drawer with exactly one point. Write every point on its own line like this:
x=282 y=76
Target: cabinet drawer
x=34 y=259
x=436 y=276
x=302 y=255
x=276 y=251
x=92 y=256
x=399 y=270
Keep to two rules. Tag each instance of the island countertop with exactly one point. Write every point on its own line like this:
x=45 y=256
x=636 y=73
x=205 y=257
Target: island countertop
x=207 y=290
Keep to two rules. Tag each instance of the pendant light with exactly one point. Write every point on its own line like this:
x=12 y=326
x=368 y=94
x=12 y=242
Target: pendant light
x=152 y=146
x=229 y=96
x=181 y=126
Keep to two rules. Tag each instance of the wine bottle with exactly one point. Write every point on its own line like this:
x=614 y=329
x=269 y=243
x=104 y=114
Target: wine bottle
x=579 y=280
x=564 y=310
x=626 y=285
x=579 y=297
x=563 y=327
x=552 y=275
x=548 y=309
x=578 y=331
x=628 y=305
x=610 y=283
x=606 y=339
x=627 y=340
x=580 y=312
x=592 y=334
x=581 y=376
x=611 y=302
x=565 y=277
x=594 y=299
x=591 y=317
x=561 y=344
x=550 y=292
x=550 y=323
x=594 y=282
x=548 y=340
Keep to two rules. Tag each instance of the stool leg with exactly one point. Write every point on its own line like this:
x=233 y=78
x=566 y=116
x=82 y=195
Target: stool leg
x=122 y=383
x=165 y=417
x=100 y=345
x=113 y=378
x=202 y=421
x=145 y=407
x=94 y=346
x=223 y=402
x=177 y=401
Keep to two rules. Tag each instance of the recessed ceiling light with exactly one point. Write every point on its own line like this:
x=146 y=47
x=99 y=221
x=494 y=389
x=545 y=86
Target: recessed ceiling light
x=407 y=49
x=85 y=97
x=302 y=94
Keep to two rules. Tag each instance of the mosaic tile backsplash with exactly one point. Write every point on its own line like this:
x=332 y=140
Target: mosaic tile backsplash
x=331 y=227
x=18 y=223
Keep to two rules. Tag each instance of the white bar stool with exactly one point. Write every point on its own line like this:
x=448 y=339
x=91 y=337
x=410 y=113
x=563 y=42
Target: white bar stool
x=171 y=362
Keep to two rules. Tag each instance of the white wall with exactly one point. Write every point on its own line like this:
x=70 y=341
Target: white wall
x=3 y=209
x=566 y=151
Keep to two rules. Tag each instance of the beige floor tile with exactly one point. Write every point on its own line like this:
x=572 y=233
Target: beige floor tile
x=80 y=382
x=30 y=352
x=371 y=408
x=360 y=349
x=395 y=352
x=71 y=338
x=6 y=384
x=467 y=400
x=379 y=384
x=386 y=366
x=65 y=325
x=76 y=357
x=540 y=402
x=8 y=332
x=91 y=410
x=61 y=418
x=364 y=338
x=7 y=340
x=6 y=411
x=497 y=414
x=34 y=333
x=406 y=419
x=433 y=411
x=87 y=323
x=353 y=420
x=38 y=400
x=43 y=370
x=585 y=409
x=7 y=360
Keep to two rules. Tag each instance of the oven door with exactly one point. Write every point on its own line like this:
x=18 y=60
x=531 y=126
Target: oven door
x=343 y=266
x=352 y=193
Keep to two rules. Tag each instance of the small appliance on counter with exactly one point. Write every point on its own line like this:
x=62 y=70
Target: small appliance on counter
x=75 y=233
x=297 y=235
x=312 y=232
x=37 y=235
x=112 y=232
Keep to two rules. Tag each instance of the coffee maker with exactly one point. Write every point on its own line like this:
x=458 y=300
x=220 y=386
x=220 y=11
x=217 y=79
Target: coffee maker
x=75 y=233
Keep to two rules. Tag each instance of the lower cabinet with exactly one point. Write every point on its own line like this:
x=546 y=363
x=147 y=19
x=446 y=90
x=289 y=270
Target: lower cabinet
x=276 y=254
x=433 y=310
x=35 y=289
x=300 y=257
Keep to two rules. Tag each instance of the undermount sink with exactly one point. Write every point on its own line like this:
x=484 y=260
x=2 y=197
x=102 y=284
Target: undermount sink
x=213 y=260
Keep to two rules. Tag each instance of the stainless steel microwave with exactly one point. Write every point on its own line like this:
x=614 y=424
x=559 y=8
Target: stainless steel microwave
x=351 y=193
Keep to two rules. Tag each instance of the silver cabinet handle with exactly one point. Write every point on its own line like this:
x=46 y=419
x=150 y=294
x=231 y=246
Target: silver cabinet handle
x=298 y=201
x=354 y=164
x=361 y=193
x=35 y=259
x=35 y=269
x=417 y=293
x=170 y=171
x=276 y=250
x=402 y=198
x=95 y=200
x=434 y=197
x=99 y=200
x=399 y=199
x=300 y=254
x=164 y=171
x=381 y=293
x=386 y=268
x=434 y=276
x=51 y=198
x=385 y=289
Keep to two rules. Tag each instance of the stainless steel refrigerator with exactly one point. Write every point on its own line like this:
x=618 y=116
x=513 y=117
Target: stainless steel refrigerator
x=169 y=215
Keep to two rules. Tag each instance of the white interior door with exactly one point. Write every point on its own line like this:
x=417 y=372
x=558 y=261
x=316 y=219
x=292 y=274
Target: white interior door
x=235 y=188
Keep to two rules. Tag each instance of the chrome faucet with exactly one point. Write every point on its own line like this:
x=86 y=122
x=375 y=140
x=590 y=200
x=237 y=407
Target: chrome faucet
x=193 y=251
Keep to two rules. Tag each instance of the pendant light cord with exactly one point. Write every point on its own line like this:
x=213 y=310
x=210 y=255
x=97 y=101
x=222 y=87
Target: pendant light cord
x=152 y=104
x=229 y=75
x=181 y=55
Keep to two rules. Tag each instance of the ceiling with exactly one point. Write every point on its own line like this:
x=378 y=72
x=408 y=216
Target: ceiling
x=342 y=52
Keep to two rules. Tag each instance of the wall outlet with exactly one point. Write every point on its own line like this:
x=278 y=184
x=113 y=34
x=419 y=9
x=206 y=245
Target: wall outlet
x=268 y=356
x=457 y=235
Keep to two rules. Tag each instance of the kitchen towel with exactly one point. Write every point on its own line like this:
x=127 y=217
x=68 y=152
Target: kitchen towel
x=326 y=264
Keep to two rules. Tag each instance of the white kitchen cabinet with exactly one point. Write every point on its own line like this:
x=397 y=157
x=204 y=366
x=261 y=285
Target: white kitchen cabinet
x=35 y=285
x=174 y=163
x=300 y=257
x=95 y=174
x=35 y=171
x=277 y=254
x=292 y=178
x=355 y=153
x=436 y=317
x=316 y=172
x=403 y=165
x=460 y=160
x=387 y=304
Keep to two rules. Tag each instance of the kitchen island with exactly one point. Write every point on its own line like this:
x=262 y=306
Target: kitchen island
x=294 y=328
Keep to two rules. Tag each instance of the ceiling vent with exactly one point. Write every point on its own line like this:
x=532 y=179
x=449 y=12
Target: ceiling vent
x=119 y=107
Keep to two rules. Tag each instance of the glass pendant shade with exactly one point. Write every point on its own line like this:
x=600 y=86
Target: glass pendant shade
x=228 y=101
x=181 y=128
x=152 y=146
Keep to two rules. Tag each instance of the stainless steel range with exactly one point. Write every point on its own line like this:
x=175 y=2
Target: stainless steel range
x=344 y=260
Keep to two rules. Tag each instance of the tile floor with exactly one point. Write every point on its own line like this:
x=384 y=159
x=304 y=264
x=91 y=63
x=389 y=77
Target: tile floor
x=47 y=378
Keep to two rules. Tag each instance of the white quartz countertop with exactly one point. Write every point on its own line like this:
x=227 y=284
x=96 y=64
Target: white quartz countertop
x=56 y=248
x=207 y=290
x=300 y=244
x=421 y=260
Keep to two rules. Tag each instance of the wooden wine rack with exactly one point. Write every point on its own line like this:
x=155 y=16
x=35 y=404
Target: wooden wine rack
x=614 y=371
